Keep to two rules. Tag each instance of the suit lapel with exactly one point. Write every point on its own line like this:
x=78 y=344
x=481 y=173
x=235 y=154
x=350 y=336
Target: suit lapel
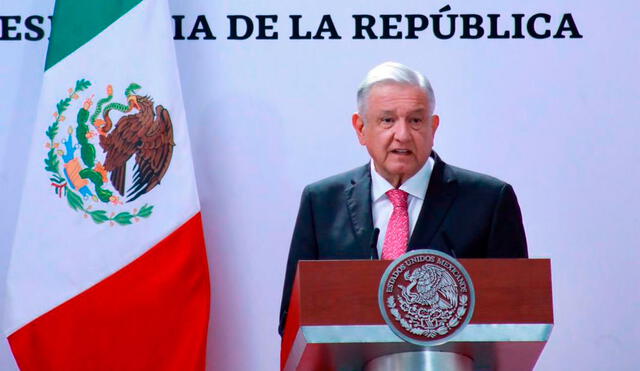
x=358 y=195
x=441 y=192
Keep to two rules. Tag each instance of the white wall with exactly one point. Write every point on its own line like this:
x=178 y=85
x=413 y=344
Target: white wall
x=557 y=118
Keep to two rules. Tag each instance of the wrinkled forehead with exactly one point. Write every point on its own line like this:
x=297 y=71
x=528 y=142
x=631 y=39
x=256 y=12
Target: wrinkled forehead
x=394 y=96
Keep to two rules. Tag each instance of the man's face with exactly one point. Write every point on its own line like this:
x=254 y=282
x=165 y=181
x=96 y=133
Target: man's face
x=397 y=130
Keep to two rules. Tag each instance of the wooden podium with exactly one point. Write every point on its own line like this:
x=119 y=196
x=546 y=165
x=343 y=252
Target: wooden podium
x=334 y=322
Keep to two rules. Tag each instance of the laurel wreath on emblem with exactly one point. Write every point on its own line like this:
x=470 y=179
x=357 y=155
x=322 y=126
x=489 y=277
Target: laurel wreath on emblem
x=435 y=309
x=87 y=183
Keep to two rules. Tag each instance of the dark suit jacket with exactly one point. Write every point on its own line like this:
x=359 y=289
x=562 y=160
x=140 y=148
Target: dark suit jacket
x=465 y=214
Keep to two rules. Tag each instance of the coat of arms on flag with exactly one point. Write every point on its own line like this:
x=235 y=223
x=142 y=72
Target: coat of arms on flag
x=87 y=163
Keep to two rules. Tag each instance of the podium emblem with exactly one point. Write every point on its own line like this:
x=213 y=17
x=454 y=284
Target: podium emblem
x=426 y=297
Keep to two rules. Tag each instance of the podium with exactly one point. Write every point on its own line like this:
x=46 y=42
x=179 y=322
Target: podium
x=334 y=321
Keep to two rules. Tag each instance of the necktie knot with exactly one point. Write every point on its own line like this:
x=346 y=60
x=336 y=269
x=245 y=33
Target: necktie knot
x=398 y=198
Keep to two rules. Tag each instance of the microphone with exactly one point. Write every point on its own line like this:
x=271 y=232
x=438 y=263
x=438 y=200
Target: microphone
x=447 y=241
x=373 y=242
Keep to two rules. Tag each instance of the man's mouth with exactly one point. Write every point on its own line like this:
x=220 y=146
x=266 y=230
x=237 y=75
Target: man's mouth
x=401 y=151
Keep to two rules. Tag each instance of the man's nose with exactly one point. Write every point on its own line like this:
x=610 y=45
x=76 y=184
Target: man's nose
x=401 y=132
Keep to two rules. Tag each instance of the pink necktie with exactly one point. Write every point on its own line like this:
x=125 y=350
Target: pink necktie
x=397 y=237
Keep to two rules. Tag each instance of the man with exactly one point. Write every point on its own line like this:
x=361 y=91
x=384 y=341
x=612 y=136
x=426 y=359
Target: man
x=407 y=192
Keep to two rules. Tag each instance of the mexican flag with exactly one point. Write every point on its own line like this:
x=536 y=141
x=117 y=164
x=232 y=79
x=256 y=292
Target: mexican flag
x=108 y=268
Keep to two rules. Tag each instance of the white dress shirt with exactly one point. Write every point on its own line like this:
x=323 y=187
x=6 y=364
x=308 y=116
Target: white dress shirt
x=381 y=207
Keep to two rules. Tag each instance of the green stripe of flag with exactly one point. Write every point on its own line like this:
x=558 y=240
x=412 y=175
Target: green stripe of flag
x=75 y=22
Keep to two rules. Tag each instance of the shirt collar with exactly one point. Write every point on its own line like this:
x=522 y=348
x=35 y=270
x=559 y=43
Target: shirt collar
x=416 y=186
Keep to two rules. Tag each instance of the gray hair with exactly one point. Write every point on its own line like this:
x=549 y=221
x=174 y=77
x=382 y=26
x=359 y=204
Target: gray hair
x=393 y=72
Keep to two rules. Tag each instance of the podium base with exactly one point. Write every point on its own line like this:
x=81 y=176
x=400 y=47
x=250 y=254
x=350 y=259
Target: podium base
x=421 y=361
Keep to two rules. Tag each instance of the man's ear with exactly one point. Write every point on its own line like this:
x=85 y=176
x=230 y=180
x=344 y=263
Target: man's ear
x=358 y=126
x=435 y=122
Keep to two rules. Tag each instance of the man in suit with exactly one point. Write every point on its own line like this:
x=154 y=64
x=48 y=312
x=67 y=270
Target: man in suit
x=406 y=192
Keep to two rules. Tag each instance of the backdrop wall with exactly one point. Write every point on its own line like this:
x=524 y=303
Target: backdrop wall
x=555 y=117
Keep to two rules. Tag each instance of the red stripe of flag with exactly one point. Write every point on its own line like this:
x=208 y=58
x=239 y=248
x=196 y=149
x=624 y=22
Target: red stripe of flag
x=153 y=314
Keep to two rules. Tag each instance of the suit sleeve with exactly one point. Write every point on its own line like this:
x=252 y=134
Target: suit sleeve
x=507 y=238
x=303 y=247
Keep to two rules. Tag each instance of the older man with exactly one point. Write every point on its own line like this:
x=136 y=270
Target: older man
x=406 y=192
